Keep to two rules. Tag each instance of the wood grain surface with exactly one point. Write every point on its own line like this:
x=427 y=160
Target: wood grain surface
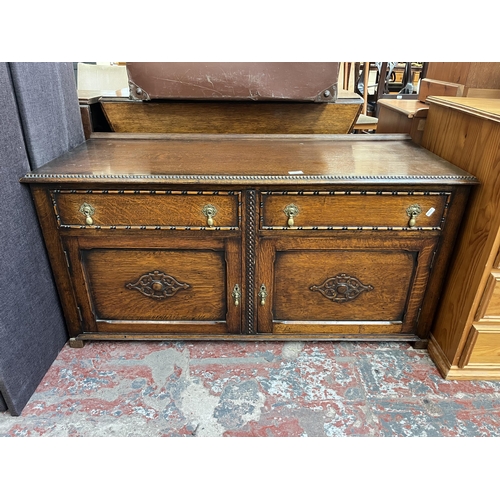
x=472 y=143
x=232 y=117
x=486 y=349
x=135 y=208
x=483 y=75
x=396 y=267
x=354 y=209
x=352 y=195
x=260 y=160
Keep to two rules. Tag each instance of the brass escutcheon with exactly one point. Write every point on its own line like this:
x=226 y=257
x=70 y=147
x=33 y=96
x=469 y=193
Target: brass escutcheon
x=88 y=211
x=413 y=211
x=236 y=295
x=209 y=211
x=291 y=211
x=263 y=294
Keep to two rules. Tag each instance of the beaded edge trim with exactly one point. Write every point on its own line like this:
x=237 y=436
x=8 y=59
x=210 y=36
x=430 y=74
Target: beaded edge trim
x=246 y=177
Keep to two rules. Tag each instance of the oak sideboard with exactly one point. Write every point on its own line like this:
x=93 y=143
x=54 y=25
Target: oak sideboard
x=249 y=237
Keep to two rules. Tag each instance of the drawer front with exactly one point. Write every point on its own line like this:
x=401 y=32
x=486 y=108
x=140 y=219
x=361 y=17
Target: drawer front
x=353 y=210
x=159 y=209
x=486 y=348
x=489 y=307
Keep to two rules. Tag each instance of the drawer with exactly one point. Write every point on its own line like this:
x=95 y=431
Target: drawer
x=489 y=307
x=353 y=210
x=158 y=209
x=485 y=346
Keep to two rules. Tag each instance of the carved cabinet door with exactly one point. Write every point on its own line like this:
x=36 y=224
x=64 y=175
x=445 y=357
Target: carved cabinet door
x=156 y=285
x=342 y=284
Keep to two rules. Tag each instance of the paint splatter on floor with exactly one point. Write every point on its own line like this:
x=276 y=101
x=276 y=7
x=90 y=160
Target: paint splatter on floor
x=253 y=389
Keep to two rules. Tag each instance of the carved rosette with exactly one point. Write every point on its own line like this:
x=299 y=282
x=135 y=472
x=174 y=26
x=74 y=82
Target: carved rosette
x=341 y=288
x=157 y=285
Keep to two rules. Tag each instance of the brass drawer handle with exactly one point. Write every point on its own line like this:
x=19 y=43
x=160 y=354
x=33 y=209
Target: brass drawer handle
x=209 y=211
x=236 y=295
x=291 y=211
x=263 y=294
x=413 y=211
x=88 y=211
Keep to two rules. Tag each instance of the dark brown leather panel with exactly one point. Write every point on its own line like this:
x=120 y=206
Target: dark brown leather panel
x=296 y=81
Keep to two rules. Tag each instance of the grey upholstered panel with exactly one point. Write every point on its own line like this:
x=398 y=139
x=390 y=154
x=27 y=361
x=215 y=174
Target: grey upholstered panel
x=48 y=105
x=32 y=329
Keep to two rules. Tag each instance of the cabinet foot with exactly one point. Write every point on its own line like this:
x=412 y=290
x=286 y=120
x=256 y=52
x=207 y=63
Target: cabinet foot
x=420 y=344
x=76 y=343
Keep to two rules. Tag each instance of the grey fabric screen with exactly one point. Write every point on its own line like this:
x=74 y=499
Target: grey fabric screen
x=48 y=106
x=32 y=329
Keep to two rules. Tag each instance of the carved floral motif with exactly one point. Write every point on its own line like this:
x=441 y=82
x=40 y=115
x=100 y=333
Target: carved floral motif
x=341 y=288
x=157 y=285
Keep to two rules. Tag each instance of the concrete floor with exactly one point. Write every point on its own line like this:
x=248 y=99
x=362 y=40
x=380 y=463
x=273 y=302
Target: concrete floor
x=253 y=389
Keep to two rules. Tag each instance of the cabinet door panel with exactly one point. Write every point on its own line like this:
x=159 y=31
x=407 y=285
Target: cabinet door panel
x=157 y=290
x=363 y=285
x=156 y=285
x=354 y=289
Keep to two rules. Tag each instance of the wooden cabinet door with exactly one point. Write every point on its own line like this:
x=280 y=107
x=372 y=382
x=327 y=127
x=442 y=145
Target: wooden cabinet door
x=157 y=285
x=342 y=285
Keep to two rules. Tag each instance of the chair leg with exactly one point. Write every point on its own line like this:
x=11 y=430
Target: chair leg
x=365 y=86
x=347 y=74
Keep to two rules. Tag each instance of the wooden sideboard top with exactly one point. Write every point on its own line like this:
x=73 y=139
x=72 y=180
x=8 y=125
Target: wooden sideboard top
x=250 y=159
x=482 y=107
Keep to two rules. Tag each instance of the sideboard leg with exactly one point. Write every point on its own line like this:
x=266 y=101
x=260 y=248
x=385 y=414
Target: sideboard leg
x=420 y=344
x=76 y=343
